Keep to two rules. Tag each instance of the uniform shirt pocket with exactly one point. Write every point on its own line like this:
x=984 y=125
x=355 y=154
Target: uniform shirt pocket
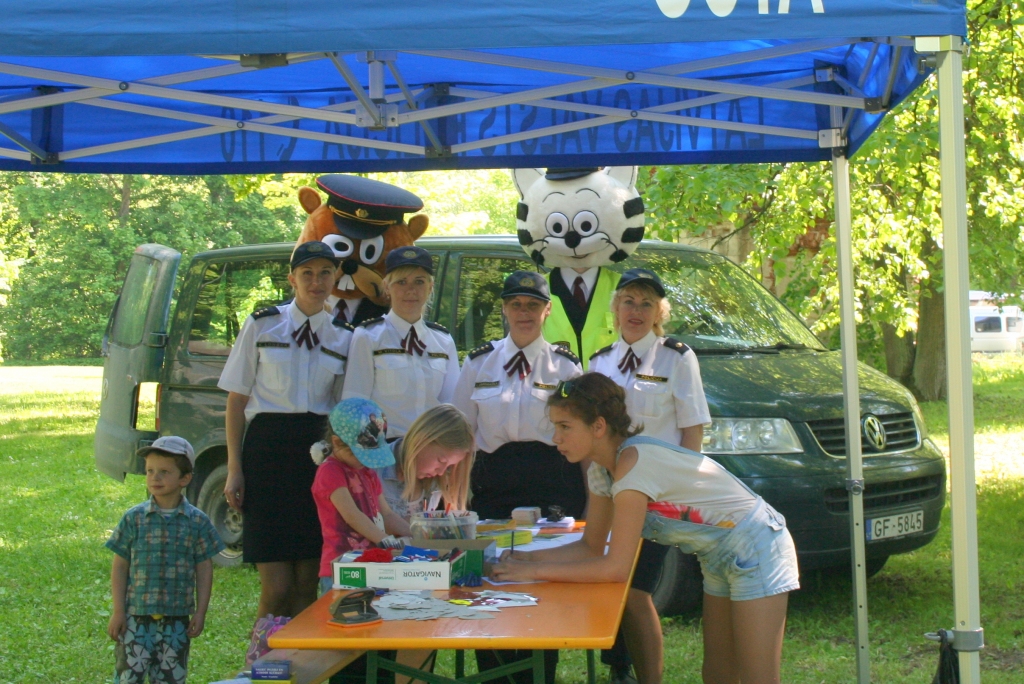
x=327 y=370
x=490 y=405
x=652 y=397
x=275 y=368
x=437 y=368
x=391 y=374
x=537 y=408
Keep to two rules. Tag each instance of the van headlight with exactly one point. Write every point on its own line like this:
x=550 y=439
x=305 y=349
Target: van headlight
x=751 y=436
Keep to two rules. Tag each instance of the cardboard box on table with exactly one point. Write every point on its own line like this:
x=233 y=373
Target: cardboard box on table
x=419 y=574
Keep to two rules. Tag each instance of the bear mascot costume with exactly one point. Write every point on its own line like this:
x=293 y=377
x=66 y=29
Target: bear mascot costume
x=361 y=221
x=576 y=221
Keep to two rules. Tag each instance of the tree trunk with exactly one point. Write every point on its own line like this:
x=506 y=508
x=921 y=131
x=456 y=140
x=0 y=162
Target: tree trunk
x=899 y=355
x=126 y=199
x=930 y=358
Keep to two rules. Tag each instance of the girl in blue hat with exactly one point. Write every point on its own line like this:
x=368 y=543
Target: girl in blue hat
x=347 y=490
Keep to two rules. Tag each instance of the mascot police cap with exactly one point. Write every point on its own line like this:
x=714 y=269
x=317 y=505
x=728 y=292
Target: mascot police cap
x=364 y=208
x=579 y=217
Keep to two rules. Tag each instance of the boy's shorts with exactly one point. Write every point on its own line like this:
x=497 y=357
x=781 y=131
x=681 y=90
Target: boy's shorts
x=157 y=647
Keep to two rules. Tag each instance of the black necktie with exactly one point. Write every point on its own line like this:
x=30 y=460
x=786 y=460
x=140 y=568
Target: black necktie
x=412 y=343
x=518 y=364
x=578 y=294
x=342 y=310
x=305 y=336
x=629 y=362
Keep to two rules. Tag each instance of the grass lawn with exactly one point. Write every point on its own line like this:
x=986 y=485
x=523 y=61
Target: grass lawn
x=56 y=511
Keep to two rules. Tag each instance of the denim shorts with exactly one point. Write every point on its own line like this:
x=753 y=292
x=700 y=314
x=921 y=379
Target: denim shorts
x=753 y=560
x=758 y=562
x=326 y=584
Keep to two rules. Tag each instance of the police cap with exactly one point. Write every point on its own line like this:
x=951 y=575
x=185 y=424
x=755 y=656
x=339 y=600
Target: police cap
x=308 y=251
x=409 y=256
x=526 y=283
x=570 y=173
x=365 y=208
x=641 y=276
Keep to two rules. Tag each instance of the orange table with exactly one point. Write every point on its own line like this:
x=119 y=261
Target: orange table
x=567 y=616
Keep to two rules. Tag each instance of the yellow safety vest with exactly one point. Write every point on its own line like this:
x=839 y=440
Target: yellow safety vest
x=598 y=329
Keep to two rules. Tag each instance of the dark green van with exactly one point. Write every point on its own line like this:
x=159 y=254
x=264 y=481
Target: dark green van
x=775 y=394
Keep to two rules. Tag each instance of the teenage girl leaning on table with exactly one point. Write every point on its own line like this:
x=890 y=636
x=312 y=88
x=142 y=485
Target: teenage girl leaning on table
x=404 y=363
x=283 y=376
x=644 y=487
x=664 y=393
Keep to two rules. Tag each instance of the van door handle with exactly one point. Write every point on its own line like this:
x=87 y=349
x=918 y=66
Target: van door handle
x=157 y=340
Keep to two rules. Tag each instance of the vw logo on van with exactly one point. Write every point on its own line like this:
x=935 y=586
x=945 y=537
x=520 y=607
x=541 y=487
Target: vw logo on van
x=874 y=432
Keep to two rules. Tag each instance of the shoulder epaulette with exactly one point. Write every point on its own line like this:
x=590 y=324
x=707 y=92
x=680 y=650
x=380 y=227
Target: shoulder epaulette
x=605 y=350
x=673 y=343
x=338 y=322
x=371 y=321
x=438 y=326
x=481 y=350
x=263 y=313
x=567 y=354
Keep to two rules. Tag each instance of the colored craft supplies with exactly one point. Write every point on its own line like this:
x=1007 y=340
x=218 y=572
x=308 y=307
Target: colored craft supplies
x=510 y=539
x=526 y=516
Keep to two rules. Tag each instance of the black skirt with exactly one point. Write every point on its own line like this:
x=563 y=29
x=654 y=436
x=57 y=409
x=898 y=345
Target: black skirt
x=281 y=522
x=526 y=474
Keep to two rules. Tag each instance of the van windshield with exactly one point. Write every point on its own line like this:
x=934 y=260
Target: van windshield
x=717 y=306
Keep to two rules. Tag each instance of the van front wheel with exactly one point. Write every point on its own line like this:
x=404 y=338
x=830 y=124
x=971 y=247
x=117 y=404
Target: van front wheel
x=226 y=520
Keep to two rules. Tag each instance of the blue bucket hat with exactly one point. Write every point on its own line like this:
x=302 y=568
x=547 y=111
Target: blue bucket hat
x=362 y=426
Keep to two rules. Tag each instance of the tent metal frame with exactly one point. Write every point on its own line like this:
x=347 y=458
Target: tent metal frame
x=968 y=635
x=382 y=105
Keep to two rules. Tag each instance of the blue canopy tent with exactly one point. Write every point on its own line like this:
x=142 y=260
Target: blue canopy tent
x=258 y=86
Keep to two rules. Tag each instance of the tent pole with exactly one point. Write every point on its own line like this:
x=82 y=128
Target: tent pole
x=851 y=406
x=968 y=636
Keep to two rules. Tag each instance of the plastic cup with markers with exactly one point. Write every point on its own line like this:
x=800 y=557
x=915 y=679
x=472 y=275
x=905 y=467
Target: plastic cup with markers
x=442 y=525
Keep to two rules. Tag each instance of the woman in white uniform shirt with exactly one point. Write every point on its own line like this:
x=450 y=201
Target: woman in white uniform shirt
x=403 y=363
x=503 y=390
x=283 y=376
x=664 y=393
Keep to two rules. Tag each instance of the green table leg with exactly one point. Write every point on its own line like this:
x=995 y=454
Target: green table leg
x=591 y=674
x=460 y=664
x=371 y=667
x=538 y=667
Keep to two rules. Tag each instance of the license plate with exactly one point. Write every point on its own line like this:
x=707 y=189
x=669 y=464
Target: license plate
x=895 y=525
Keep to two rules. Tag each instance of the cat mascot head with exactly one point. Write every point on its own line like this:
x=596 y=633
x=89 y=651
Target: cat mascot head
x=579 y=218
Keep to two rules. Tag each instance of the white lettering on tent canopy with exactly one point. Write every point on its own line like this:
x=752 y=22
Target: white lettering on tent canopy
x=723 y=8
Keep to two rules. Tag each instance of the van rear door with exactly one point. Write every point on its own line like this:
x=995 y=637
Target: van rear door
x=134 y=346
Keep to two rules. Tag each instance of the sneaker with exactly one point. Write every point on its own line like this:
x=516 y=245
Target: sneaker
x=621 y=675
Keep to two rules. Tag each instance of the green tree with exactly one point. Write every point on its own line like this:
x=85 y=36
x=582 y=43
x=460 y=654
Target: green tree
x=72 y=236
x=896 y=202
x=66 y=240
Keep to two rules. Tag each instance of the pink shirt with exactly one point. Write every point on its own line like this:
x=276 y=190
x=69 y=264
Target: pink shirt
x=364 y=486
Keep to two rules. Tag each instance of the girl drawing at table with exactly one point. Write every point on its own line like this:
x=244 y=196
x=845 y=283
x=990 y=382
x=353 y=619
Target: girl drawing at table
x=644 y=487
x=435 y=455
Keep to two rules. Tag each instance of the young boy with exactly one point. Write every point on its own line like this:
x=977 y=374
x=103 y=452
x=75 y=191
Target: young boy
x=162 y=564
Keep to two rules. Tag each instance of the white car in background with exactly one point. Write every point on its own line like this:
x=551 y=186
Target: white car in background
x=997 y=329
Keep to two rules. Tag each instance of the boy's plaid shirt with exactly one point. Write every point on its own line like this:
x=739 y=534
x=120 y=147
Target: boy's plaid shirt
x=162 y=552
